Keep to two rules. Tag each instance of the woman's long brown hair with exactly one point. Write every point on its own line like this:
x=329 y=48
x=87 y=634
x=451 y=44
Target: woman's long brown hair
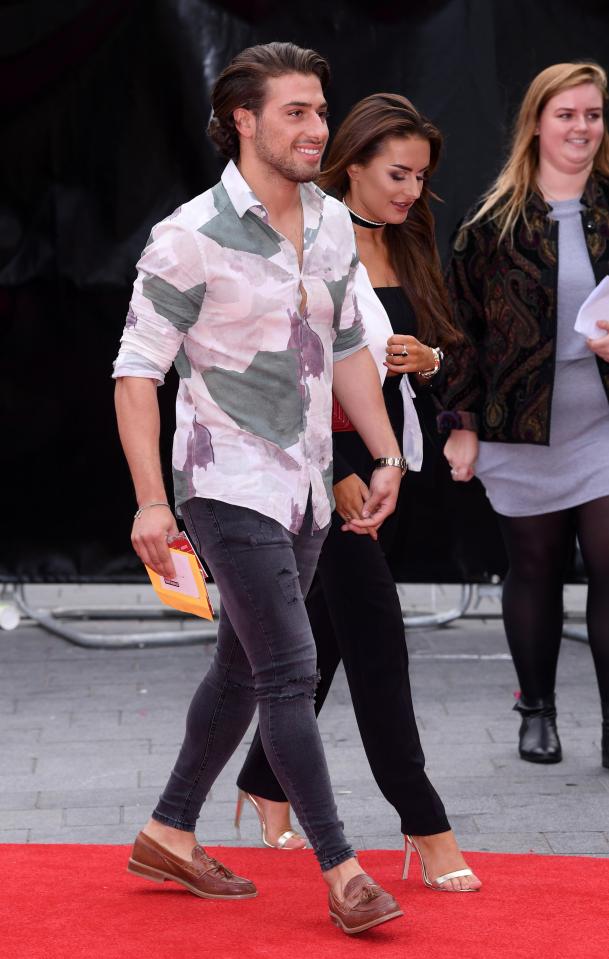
x=411 y=245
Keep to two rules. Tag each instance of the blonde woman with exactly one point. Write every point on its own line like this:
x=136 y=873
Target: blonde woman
x=526 y=401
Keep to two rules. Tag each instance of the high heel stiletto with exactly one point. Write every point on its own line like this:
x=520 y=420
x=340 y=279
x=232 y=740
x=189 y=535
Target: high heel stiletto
x=436 y=884
x=282 y=839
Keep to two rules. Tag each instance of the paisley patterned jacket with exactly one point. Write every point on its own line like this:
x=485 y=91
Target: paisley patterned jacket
x=500 y=380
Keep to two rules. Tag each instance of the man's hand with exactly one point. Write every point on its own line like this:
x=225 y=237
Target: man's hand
x=149 y=536
x=381 y=501
x=601 y=345
x=461 y=451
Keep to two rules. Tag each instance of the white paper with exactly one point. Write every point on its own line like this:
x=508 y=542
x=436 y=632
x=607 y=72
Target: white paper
x=594 y=308
x=185 y=581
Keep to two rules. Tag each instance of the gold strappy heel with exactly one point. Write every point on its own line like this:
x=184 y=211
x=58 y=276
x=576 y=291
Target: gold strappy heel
x=283 y=838
x=432 y=883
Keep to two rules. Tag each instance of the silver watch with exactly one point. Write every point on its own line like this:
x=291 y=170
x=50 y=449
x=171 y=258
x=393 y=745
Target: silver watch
x=398 y=461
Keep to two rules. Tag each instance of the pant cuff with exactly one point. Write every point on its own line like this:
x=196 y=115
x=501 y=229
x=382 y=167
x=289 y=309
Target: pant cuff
x=333 y=861
x=427 y=830
x=174 y=823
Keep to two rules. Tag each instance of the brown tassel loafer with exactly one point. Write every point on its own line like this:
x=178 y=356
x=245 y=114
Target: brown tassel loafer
x=203 y=876
x=365 y=904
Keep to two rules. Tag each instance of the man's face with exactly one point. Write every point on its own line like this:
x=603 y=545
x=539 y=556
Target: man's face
x=291 y=131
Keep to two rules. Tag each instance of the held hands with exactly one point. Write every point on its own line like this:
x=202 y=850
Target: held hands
x=461 y=451
x=350 y=494
x=149 y=536
x=600 y=346
x=404 y=354
x=375 y=504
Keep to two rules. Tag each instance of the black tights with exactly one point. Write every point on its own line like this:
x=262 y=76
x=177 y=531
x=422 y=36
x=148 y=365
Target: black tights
x=539 y=549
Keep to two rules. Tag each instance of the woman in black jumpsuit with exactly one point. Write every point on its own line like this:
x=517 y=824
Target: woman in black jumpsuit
x=379 y=163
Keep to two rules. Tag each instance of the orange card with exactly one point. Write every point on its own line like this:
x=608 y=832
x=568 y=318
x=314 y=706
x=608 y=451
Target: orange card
x=188 y=591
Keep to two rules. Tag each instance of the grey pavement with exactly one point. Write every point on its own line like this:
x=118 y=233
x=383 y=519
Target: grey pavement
x=88 y=737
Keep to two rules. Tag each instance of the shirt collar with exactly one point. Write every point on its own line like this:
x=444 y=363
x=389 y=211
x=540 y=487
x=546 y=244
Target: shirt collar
x=243 y=197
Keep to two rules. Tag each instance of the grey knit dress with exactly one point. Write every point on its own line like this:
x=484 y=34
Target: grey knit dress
x=522 y=479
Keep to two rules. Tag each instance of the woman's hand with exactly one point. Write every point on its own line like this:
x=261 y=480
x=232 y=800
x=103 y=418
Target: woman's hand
x=350 y=494
x=461 y=451
x=601 y=345
x=405 y=354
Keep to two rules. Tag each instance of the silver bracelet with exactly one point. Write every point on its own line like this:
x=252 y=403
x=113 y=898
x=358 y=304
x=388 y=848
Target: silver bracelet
x=147 y=506
x=438 y=356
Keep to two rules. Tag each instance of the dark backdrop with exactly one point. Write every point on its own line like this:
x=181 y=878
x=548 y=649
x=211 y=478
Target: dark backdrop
x=104 y=106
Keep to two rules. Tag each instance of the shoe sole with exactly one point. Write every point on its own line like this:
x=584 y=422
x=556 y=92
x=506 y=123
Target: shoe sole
x=430 y=885
x=157 y=875
x=542 y=762
x=353 y=930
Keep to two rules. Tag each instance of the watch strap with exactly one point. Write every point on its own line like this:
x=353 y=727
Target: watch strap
x=398 y=461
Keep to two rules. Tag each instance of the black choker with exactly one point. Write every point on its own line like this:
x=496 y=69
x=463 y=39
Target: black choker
x=362 y=221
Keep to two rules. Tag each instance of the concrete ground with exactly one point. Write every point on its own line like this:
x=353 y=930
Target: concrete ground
x=88 y=738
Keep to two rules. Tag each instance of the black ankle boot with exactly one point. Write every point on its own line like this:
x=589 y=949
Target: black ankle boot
x=539 y=742
x=605 y=736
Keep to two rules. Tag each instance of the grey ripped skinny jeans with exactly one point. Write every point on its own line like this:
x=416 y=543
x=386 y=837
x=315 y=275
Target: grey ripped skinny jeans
x=265 y=655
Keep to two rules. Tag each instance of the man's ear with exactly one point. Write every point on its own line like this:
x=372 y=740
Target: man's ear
x=245 y=122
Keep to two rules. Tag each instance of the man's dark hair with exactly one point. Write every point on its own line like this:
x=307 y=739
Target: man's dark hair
x=243 y=84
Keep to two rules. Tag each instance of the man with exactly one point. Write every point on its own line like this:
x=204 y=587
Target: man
x=249 y=289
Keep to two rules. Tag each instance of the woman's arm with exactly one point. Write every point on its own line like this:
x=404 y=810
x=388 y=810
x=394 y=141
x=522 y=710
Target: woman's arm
x=357 y=388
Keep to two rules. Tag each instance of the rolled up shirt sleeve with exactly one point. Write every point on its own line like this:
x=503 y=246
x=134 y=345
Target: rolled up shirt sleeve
x=350 y=334
x=168 y=294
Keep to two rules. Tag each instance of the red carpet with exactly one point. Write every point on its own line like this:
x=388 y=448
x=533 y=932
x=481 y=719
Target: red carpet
x=77 y=902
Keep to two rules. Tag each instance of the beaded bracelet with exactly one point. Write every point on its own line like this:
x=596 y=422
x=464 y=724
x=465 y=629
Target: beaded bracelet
x=438 y=356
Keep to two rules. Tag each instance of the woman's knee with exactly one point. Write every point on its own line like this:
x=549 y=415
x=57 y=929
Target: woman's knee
x=538 y=565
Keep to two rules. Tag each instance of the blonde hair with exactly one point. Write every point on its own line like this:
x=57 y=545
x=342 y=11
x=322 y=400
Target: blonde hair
x=505 y=201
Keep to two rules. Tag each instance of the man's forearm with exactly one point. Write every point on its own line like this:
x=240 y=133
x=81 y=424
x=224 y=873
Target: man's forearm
x=137 y=413
x=357 y=388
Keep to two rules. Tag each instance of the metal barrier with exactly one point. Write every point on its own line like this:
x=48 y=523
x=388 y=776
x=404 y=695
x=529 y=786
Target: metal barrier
x=13 y=602
x=57 y=621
